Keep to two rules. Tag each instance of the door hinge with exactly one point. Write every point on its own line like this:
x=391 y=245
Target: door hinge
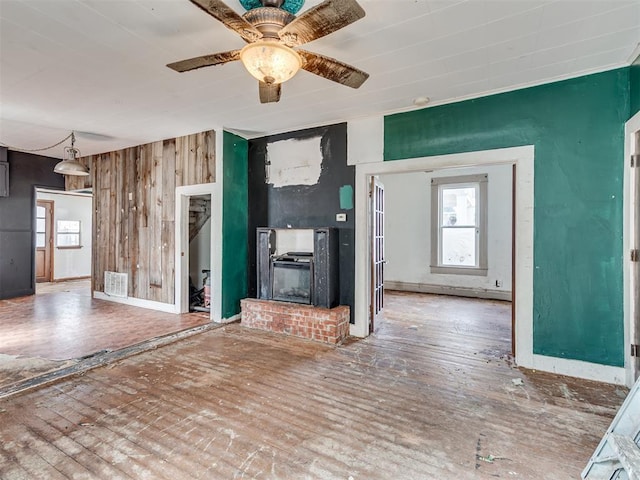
x=635 y=350
x=635 y=160
x=635 y=255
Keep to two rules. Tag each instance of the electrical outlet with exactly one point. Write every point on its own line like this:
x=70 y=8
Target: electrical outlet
x=498 y=283
x=341 y=217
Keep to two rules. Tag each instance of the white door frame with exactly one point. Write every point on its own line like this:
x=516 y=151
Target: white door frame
x=183 y=195
x=630 y=198
x=523 y=158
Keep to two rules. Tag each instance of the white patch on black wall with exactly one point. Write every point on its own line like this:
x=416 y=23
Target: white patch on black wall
x=294 y=162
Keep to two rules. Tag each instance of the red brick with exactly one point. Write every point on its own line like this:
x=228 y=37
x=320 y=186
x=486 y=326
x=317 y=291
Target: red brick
x=320 y=324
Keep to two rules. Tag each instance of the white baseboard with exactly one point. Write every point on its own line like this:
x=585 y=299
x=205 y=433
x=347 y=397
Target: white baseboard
x=230 y=319
x=69 y=279
x=579 y=369
x=448 y=290
x=138 y=302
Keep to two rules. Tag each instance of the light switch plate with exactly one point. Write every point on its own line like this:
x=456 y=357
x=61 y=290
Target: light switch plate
x=341 y=217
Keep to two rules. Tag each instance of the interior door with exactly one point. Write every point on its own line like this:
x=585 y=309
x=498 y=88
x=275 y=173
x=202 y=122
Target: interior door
x=376 y=193
x=635 y=246
x=44 y=240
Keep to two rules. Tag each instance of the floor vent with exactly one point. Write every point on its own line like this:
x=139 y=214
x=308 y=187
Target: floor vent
x=115 y=284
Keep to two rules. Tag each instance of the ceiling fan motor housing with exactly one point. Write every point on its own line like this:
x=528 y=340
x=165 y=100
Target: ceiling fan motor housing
x=268 y=20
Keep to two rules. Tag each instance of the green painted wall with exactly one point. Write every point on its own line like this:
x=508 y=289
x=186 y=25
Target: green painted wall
x=234 y=223
x=577 y=127
x=635 y=87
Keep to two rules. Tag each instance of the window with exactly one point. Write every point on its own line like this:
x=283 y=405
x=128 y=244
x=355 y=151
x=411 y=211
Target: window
x=459 y=225
x=41 y=226
x=68 y=234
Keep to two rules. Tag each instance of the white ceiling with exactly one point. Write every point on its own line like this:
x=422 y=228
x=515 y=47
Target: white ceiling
x=98 y=66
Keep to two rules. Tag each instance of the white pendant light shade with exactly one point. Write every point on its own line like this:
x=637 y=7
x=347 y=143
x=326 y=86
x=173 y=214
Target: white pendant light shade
x=70 y=165
x=270 y=62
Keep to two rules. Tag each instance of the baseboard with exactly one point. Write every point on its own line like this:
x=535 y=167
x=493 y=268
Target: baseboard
x=138 y=302
x=448 y=290
x=579 y=369
x=68 y=279
x=233 y=318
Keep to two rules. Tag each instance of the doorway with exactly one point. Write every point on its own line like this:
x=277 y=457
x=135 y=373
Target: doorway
x=64 y=226
x=522 y=157
x=200 y=253
x=44 y=241
x=198 y=247
x=449 y=232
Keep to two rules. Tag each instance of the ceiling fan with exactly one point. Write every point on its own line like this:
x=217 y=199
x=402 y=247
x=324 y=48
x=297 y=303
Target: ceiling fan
x=272 y=32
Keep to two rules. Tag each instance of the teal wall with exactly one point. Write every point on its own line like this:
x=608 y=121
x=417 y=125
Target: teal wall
x=577 y=127
x=635 y=87
x=234 y=223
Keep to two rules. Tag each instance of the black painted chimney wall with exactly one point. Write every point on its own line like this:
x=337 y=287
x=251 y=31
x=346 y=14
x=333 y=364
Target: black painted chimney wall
x=305 y=206
x=17 y=223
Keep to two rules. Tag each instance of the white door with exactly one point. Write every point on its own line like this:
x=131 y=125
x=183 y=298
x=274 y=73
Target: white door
x=635 y=249
x=377 y=251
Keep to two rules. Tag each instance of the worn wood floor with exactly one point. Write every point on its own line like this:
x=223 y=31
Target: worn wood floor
x=429 y=396
x=61 y=324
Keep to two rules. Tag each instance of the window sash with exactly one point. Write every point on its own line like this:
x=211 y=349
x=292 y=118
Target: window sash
x=479 y=225
x=68 y=234
x=442 y=189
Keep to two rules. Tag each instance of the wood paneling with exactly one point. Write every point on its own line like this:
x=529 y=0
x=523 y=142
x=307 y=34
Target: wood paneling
x=74 y=182
x=134 y=204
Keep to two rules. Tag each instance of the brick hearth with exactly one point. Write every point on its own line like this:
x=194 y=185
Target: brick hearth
x=328 y=325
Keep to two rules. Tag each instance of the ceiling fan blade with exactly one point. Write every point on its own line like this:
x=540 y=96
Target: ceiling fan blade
x=269 y=92
x=220 y=11
x=332 y=69
x=321 y=20
x=205 y=61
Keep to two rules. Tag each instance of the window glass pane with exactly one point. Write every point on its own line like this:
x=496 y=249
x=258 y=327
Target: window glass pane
x=41 y=212
x=459 y=246
x=459 y=206
x=40 y=225
x=68 y=240
x=68 y=226
x=39 y=239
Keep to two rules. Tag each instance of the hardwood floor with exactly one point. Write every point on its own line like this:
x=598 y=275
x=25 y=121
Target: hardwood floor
x=429 y=396
x=62 y=323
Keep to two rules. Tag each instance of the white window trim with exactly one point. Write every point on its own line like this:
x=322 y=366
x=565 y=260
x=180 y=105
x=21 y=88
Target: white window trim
x=436 y=228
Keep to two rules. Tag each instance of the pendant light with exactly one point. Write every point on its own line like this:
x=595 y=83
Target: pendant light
x=70 y=165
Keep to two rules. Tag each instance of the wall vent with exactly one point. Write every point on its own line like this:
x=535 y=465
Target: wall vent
x=115 y=284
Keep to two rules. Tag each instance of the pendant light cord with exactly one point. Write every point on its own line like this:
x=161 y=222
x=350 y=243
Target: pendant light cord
x=71 y=135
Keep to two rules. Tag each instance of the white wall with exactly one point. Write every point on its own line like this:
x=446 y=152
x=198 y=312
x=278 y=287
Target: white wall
x=408 y=238
x=71 y=262
x=200 y=254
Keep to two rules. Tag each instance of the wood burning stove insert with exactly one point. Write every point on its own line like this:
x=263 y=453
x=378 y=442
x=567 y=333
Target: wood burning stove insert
x=310 y=278
x=292 y=277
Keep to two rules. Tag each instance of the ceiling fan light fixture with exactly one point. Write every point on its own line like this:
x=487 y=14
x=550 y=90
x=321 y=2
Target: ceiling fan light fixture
x=270 y=62
x=70 y=165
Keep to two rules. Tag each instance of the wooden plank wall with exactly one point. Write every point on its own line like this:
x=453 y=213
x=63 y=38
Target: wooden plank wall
x=134 y=209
